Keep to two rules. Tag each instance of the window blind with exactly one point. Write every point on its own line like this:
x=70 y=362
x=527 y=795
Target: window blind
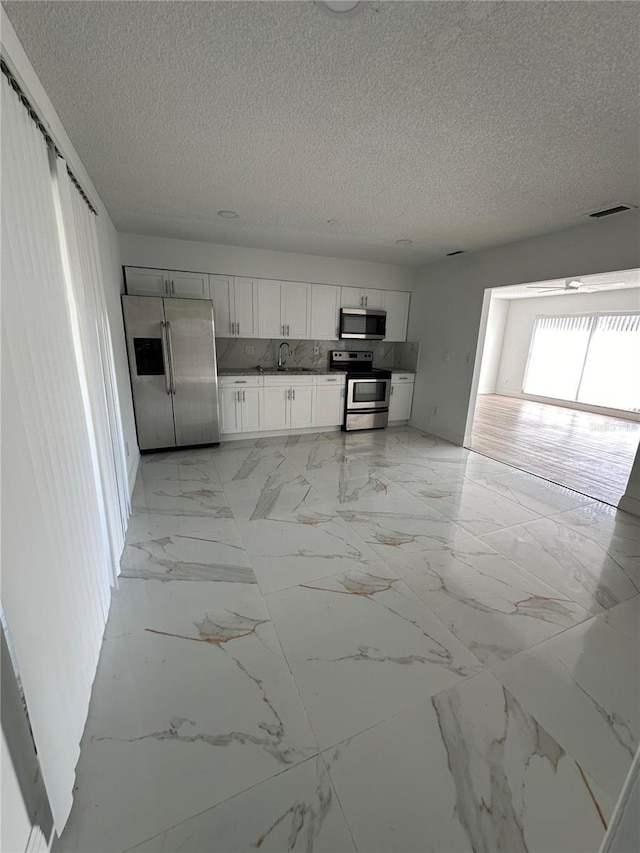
x=591 y=358
x=55 y=560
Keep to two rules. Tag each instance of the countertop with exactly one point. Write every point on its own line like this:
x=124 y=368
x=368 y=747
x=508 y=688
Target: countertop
x=273 y=371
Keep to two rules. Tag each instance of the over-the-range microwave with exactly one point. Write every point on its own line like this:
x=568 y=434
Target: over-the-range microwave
x=366 y=324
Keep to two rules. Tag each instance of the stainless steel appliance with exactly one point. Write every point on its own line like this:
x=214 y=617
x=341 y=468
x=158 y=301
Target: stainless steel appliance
x=367 y=390
x=172 y=363
x=363 y=324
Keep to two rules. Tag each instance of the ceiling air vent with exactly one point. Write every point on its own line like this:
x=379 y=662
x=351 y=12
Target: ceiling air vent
x=457 y=252
x=609 y=211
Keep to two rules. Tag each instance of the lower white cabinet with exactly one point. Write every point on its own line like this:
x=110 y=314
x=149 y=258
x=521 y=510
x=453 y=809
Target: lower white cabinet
x=240 y=404
x=401 y=398
x=288 y=404
x=329 y=402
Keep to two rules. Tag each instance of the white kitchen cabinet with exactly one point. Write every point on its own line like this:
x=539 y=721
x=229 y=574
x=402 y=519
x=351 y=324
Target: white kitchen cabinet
x=240 y=404
x=152 y=282
x=325 y=312
x=146 y=282
x=276 y=407
x=288 y=402
x=188 y=285
x=357 y=297
x=329 y=408
x=396 y=304
x=401 y=397
x=284 y=309
x=235 y=306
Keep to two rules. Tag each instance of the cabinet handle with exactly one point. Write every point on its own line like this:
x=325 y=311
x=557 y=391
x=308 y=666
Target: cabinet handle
x=173 y=288
x=392 y=390
x=366 y=301
x=237 y=328
x=244 y=399
x=240 y=382
x=232 y=327
x=293 y=391
x=332 y=380
x=166 y=287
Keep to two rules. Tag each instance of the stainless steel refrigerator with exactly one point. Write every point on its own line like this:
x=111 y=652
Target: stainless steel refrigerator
x=172 y=363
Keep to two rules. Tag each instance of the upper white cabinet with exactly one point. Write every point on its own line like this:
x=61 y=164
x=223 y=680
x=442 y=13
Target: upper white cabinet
x=396 y=305
x=151 y=282
x=235 y=306
x=284 y=309
x=188 y=285
x=146 y=282
x=325 y=312
x=357 y=297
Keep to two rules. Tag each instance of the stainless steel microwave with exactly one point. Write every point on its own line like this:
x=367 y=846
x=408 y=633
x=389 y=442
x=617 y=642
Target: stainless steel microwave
x=365 y=324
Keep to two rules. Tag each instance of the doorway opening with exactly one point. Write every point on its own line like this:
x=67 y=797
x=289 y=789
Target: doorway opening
x=557 y=386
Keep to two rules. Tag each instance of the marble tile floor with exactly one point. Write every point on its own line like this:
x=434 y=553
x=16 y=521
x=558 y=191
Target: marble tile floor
x=373 y=641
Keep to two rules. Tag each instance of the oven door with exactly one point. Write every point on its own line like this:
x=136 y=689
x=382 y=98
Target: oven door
x=368 y=394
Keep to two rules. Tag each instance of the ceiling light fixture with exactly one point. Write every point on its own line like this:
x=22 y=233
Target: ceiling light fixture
x=339 y=8
x=404 y=242
x=228 y=214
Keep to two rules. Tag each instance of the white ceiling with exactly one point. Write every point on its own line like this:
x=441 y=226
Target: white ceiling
x=621 y=280
x=453 y=124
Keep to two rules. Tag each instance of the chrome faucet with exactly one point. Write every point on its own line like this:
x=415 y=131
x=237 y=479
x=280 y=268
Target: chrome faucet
x=282 y=363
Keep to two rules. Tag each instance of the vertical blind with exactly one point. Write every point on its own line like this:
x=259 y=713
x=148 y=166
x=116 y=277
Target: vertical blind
x=57 y=543
x=589 y=359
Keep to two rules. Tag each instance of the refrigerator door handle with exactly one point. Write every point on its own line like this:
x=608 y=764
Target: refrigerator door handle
x=165 y=356
x=173 y=380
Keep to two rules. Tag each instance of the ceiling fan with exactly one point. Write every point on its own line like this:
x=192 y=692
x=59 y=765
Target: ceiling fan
x=571 y=285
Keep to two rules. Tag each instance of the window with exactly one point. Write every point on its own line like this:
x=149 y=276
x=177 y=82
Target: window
x=587 y=358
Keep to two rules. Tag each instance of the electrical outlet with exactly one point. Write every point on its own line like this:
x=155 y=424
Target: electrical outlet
x=316 y=350
x=249 y=350
x=126 y=447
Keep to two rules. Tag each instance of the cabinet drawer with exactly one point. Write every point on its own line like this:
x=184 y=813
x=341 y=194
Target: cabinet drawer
x=241 y=381
x=331 y=380
x=403 y=377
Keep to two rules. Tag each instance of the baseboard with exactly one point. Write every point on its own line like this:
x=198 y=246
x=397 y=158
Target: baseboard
x=132 y=473
x=272 y=433
x=444 y=434
x=630 y=504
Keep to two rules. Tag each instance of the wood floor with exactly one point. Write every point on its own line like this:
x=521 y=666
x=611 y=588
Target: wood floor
x=590 y=453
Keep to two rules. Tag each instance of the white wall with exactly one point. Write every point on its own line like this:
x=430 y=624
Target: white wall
x=446 y=305
x=142 y=251
x=521 y=317
x=496 y=321
x=109 y=245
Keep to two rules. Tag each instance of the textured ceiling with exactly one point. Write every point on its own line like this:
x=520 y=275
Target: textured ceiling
x=455 y=124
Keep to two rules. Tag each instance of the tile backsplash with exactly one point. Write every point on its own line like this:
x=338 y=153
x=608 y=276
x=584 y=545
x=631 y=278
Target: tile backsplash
x=232 y=355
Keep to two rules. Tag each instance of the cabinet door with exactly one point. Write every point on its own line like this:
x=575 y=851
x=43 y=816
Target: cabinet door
x=146 y=282
x=270 y=322
x=229 y=410
x=325 y=311
x=351 y=297
x=246 y=306
x=374 y=298
x=276 y=407
x=329 y=405
x=400 y=402
x=296 y=299
x=188 y=285
x=250 y=407
x=221 y=288
x=397 y=308
x=302 y=405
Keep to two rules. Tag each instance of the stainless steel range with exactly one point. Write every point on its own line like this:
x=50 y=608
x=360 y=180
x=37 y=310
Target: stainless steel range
x=367 y=389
